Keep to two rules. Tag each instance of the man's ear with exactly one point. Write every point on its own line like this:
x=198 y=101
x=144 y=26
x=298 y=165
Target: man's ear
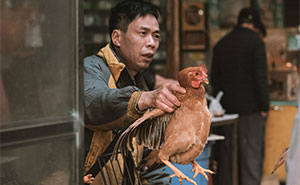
x=116 y=37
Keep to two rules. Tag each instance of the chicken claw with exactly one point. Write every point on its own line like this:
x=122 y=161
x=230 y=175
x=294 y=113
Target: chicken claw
x=198 y=169
x=178 y=173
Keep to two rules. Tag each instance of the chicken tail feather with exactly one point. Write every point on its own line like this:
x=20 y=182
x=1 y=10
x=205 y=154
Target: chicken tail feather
x=124 y=143
x=281 y=160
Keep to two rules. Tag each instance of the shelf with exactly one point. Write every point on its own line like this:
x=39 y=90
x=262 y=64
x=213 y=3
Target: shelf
x=95 y=10
x=100 y=29
x=91 y=43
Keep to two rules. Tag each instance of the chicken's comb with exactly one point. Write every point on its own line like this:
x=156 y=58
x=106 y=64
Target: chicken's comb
x=203 y=68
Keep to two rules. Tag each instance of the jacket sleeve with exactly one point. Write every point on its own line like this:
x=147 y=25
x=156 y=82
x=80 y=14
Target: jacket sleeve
x=104 y=106
x=261 y=77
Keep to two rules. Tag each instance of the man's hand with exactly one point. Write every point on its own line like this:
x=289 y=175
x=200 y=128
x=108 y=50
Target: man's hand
x=161 y=98
x=88 y=179
x=264 y=114
x=160 y=80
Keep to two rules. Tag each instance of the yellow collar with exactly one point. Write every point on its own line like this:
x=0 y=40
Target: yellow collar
x=114 y=65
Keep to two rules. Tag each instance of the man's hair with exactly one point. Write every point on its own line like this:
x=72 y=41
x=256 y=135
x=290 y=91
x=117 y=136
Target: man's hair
x=252 y=16
x=126 y=11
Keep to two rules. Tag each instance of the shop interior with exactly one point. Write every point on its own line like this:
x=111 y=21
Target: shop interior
x=189 y=31
x=41 y=55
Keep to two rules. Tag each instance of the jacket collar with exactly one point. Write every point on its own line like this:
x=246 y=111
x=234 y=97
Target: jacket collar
x=112 y=60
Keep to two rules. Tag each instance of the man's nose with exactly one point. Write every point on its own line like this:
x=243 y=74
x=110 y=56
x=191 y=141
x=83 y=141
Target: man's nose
x=151 y=42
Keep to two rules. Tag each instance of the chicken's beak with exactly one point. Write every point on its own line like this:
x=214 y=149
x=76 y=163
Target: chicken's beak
x=206 y=81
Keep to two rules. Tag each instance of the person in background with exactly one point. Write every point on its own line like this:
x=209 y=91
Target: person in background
x=239 y=69
x=115 y=91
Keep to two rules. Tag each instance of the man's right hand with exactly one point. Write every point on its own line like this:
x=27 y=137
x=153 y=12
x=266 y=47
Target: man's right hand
x=264 y=114
x=162 y=98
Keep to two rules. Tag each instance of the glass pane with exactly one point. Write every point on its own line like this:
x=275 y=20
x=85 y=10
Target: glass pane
x=37 y=60
x=40 y=163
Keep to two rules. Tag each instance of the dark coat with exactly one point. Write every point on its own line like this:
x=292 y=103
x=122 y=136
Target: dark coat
x=239 y=69
x=110 y=99
x=111 y=95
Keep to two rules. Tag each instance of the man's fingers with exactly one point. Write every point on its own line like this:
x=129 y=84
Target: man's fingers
x=171 y=88
x=162 y=98
x=168 y=98
x=173 y=101
x=176 y=88
x=165 y=107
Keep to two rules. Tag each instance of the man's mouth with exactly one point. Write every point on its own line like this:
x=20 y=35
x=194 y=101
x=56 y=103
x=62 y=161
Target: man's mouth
x=150 y=56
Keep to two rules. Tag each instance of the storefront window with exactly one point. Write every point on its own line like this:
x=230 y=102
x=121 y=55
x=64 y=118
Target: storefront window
x=37 y=61
x=40 y=120
x=44 y=162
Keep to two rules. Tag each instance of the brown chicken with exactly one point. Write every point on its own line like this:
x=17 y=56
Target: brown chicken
x=180 y=136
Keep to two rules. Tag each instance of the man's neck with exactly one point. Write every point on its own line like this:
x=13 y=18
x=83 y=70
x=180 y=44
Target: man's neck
x=132 y=73
x=249 y=26
x=117 y=50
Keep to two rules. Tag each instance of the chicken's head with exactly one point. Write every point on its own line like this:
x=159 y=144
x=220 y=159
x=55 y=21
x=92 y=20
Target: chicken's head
x=193 y=76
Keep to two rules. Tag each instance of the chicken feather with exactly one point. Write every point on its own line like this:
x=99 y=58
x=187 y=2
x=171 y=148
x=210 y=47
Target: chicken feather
x=180 y=136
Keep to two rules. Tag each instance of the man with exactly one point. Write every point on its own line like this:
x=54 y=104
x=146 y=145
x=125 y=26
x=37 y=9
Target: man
x=114 y=89
x=239 y=69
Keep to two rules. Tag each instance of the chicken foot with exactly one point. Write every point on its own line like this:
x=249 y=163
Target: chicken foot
x=198 y=169
x=178 y=173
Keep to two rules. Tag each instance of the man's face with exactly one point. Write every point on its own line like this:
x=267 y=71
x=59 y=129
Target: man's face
x=139 y=44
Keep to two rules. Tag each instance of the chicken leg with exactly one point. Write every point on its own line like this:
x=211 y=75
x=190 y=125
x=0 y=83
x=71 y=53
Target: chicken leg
x=178 y=173
x=198 y=169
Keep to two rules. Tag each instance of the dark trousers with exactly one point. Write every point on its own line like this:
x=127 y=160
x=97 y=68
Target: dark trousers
x=251 y=134
x=222 y=154
x=156 y=174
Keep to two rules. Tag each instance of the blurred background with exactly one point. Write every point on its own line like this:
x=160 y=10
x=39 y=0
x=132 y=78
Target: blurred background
x=42 y=45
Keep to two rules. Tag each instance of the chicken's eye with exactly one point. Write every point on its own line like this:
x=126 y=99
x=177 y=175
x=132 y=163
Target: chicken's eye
x=197 y=73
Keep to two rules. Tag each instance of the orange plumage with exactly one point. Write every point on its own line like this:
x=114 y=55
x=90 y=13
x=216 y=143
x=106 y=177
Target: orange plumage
x=180 y=136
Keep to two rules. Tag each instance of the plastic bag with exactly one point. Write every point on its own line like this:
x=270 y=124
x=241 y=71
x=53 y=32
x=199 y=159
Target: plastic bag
x=215 y=107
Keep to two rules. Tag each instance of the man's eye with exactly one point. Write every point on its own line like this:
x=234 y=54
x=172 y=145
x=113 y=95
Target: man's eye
x=143 y=33
x=157 y=36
